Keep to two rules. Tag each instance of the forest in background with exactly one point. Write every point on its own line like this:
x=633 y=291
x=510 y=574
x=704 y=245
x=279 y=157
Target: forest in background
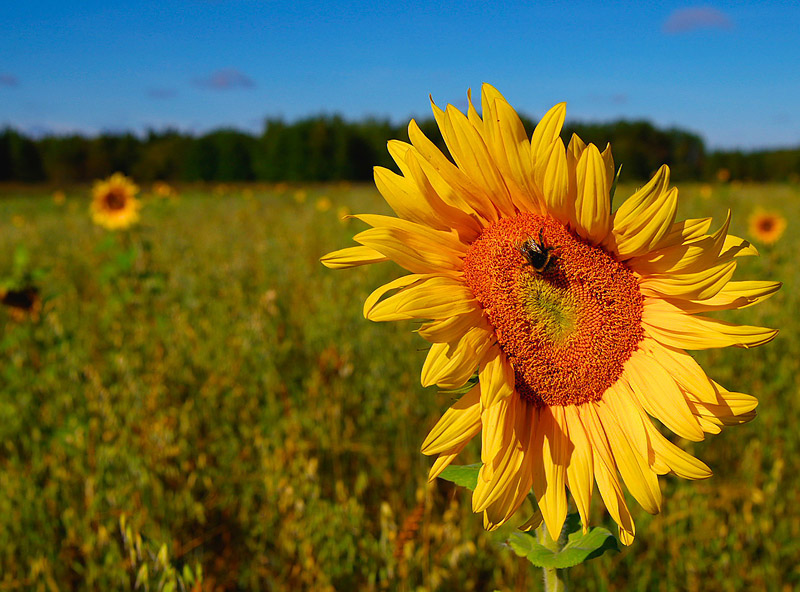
x=330 y=148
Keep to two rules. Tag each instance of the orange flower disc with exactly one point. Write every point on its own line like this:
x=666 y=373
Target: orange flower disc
x=567 y=330
x=116 y=198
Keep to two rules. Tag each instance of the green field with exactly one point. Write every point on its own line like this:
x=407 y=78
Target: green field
x=204 y=376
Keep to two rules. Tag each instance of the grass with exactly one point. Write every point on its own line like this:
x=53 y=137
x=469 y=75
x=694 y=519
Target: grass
x=205 y=377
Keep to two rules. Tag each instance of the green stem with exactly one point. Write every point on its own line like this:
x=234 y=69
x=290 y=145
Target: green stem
x=554 y=579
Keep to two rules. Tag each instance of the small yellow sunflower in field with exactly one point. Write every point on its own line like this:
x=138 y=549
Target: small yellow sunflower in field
x=765 y=226
x=164 y=190
x=114 y=203
x=575 y=316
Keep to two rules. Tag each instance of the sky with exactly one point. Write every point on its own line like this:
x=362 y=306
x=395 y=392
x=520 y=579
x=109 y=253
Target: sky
x=729 y=71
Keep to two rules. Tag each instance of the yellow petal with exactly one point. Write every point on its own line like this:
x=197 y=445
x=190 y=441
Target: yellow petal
x=684 y=231
x=671 y=326
x=657 y=392
x=737 y=247
x=683 y=368
x=690 y=286
x=399 y=283
x=550 y=444
x=446 y=213
x=498 y=421
x=504 y=482
x=580 y=470
x=592 y=208
x=576 y=147
x=633 y=466
x=552 y=176
x=509 y=146
x=496 y=377
x=442 y=462
x=517 y=489
x=447 y=457
x=472 y=156
x=476 y=177
x=546 y=132
x=678 y=461
x=729 y=408
x=605 y=470
x=733 y=295
x=450 y=183
x=352 y=257
x=444 y=240
x=534 y=521
x=608 y=161
x=435 y=297
x=645 y=218
x=472 y=114
x=404 y=196
x=498 y=475
x=681 y=258
x=451 y=328
x=500 y=510
x=458 y=424
x=451 y=365
x=415 y=252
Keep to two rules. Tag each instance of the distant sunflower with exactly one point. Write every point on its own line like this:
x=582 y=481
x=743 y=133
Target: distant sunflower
x=766 y=227
x=114 y=203
x=164 y=190
x=576 y=317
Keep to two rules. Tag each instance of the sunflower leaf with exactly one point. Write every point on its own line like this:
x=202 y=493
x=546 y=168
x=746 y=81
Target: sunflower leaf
x=579 y=548
x=463 y=475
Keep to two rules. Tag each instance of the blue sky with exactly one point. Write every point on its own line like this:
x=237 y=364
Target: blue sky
x=729 y=71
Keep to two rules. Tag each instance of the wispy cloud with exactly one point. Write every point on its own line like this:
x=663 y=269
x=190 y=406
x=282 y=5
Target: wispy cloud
x=225 y=79
x=8 y=79
x=684 y=20
x=161 y=93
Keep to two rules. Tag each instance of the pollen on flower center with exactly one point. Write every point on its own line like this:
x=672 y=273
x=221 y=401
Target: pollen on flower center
x=568 y=329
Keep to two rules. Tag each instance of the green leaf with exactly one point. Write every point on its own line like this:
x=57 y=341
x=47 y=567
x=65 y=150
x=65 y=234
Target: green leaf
x=463 y=475
x=579 y=548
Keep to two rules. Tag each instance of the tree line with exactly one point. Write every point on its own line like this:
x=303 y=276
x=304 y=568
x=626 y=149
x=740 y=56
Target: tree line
x=330 y=148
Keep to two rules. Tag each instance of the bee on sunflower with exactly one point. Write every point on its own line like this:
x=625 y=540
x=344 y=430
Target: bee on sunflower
x=576 y=317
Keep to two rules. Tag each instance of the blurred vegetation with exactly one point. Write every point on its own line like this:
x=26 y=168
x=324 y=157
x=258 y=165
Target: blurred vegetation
x=328 y=148
x=200 y=404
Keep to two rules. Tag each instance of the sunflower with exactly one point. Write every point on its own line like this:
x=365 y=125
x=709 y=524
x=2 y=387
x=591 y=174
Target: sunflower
x=765 y=226
x=164 y=190
x=575 y=316
x=114 y=203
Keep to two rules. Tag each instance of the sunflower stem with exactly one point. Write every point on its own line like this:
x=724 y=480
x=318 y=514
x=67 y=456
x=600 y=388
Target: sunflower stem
x=555 y=580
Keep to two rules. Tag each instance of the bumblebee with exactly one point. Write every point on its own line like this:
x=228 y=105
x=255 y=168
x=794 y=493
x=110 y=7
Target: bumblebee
x=537 y=254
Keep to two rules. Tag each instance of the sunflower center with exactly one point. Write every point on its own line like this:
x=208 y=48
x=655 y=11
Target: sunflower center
x=115 y=200
x=767 y=224
x=568 y=323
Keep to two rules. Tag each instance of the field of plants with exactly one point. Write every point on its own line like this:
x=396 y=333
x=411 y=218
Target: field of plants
x=197 y=396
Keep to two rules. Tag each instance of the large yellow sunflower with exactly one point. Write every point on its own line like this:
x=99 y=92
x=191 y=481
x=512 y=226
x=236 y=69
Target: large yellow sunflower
x=575 y=316
x=114 y=203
